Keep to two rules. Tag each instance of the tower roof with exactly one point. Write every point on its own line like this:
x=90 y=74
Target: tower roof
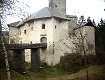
x=43 y=13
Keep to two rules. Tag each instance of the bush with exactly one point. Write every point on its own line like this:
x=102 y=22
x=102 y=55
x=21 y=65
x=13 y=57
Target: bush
x=100 y=54
x=70 y=62
x=74 y=62
x=91 y=59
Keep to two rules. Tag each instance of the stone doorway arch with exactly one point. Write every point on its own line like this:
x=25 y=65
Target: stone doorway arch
x=43 y=40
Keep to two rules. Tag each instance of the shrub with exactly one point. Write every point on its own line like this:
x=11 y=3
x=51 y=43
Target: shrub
x=70 y=62
x=74 y=62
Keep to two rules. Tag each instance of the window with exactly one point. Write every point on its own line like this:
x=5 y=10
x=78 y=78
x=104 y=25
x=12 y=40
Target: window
x=24 y=31
x=20 y=42
x=55 y=5
x=43 y=40
x=20 y=32
x=31 y=42
x=31 y=28
x=55 y=26
x=29 y=24
x=60 y=20
x=43 y=26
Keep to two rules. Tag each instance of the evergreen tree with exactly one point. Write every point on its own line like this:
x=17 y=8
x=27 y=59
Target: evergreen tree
x=100 y=41
x=100 y=34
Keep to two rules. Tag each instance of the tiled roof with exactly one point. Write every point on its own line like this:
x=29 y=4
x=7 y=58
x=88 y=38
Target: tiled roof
x=89 y=24
x=43 y=13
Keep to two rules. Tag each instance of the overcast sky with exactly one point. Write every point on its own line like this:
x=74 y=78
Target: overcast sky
x=92 y=8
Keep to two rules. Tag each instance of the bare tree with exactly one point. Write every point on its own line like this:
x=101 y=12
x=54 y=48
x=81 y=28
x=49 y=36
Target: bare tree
x=8 y=7
x=82 y=45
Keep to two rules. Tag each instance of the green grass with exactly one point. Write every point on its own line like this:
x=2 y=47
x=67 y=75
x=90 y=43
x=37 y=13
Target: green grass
x=43 y=74
x=50 y=73
x=47 y=72
x=94 y=71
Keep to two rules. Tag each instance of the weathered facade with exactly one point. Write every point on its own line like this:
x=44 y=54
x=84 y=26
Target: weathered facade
x=49 y=25
x=58 y=5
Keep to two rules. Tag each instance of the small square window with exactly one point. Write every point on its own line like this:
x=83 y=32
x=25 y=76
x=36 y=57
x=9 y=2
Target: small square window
x=20 y=32
x=43 y=26
x=31 y=28
x=55 y=5
x=31 y=42
x=60 y=20
x=21 y=42
x=24 y=31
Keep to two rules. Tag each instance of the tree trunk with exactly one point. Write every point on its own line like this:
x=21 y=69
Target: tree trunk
x=5 y=52
x=86 y=60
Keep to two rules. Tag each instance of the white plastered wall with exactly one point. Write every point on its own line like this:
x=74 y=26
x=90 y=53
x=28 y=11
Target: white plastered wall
x=34 y=33
x=62 y=42
x=13 y=35
x=90 y=39
x=88 y=35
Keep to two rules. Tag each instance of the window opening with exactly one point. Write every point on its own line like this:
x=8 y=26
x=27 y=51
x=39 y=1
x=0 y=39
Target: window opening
x=32 y=28
x=43 y=40
x=43 y=26
x=24 y=31
x=55 y=26
x=55 y=5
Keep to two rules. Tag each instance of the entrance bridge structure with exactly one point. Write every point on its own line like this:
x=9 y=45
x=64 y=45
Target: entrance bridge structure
x=19 y=55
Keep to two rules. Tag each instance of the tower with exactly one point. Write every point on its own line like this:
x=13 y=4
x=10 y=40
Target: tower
x=58 y=5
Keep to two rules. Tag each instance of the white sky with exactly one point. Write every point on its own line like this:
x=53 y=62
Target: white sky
x=92 y=8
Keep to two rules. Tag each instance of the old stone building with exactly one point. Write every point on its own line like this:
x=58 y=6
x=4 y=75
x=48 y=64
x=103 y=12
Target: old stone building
x=49 y=25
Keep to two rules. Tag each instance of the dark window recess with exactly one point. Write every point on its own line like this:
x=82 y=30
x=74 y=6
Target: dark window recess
x=60 y=20
x=21 y=42
x=29 y=24
x=24 y=31
x=31 y=42
x=43 y=26
x=32 y=28
x=55 y=5
x=20 y=32
x=55 y=26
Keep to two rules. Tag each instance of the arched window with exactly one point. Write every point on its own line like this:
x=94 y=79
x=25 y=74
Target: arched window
x=43 y=40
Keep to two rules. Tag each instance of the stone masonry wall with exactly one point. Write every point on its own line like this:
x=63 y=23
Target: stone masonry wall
x=58 y=5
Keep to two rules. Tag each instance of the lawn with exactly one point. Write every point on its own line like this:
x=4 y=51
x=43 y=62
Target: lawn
x=49 y=73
